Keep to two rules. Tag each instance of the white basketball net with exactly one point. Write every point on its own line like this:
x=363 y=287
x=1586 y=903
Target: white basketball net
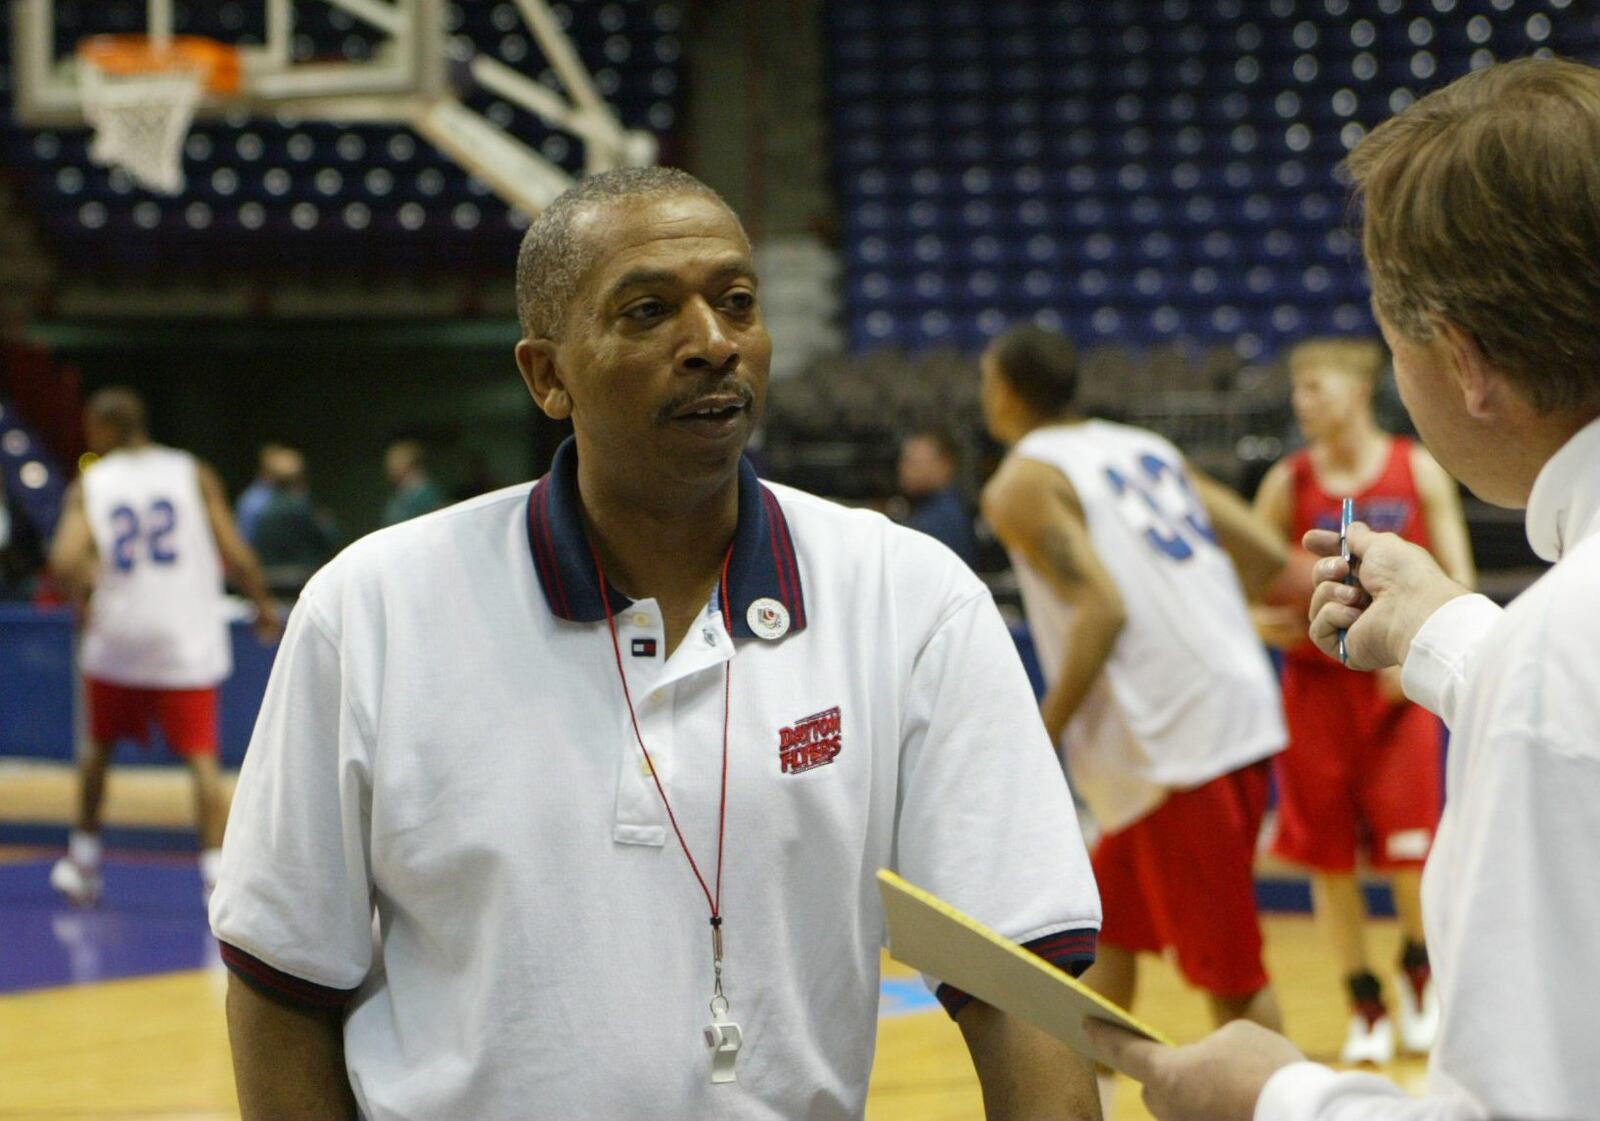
x=141 y=121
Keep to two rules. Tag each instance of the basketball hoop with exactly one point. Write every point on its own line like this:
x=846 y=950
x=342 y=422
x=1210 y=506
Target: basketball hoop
x=141 y=99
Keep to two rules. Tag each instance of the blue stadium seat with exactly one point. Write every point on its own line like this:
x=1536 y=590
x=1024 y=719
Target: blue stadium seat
x=1142 y=171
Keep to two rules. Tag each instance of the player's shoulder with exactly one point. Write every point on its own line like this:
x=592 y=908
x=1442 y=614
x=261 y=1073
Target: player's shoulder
x=1059 y=450
x=1099 y=433
x=1093 y=443
x=145 y=457
x=1292 y=463
x=1278 y=481
x=1050 y=440
x=1021 y=486
x=124 y=467
x=1153 y=445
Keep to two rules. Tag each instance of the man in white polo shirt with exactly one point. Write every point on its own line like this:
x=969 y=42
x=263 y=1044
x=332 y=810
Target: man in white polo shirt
x=614 y=758
x=1491 y=318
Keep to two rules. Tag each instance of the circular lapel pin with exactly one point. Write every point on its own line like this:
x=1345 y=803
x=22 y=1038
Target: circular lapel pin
x=768 y=618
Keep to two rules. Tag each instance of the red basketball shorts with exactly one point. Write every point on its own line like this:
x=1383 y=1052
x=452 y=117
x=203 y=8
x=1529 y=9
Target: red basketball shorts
x=1360 y=772
x=187 y=717
x=1182 y=878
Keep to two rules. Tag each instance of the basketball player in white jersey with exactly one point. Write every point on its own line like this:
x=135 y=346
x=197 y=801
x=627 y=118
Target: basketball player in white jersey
x=1158 y=690
x=144 y=539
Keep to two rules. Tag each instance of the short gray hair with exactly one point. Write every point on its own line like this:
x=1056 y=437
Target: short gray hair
x=553 y=257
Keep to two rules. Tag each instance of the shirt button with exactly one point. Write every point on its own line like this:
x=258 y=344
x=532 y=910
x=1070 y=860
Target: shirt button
x=710 y=636
x=640 y=619
x=644 y=767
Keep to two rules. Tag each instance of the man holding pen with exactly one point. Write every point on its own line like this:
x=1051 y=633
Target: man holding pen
x=1482 y=233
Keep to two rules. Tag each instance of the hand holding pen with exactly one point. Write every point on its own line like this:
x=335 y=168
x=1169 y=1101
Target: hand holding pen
x=1368 y=622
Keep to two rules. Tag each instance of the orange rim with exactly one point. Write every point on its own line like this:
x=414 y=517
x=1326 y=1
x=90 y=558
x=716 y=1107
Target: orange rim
x=128 y=55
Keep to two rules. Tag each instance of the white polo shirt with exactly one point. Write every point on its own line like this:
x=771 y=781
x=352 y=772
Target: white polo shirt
x=444 y=743
x=1509 y=895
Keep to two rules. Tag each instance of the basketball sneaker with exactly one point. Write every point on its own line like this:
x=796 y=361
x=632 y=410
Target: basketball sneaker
x=1370 y=1040
x=1371 y=1035
x=1419 y=1012
x=80 y=883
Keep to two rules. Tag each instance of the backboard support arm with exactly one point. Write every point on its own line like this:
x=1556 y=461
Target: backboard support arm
x=405 y=82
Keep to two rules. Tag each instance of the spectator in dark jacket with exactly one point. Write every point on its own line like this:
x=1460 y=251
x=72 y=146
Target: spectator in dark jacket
x=929 y=462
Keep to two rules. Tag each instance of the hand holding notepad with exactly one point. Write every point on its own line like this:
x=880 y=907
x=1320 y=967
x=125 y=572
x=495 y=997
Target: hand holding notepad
x=928 y=934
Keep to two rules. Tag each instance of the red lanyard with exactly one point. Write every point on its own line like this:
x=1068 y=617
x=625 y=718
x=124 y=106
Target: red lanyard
x=713 y=900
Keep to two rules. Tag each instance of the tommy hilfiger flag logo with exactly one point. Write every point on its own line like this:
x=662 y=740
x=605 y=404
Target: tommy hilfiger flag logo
x=812 y=741
x=644 y=648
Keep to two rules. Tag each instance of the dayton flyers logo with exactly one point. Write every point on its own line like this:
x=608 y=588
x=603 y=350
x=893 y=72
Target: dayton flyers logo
x=813 y=741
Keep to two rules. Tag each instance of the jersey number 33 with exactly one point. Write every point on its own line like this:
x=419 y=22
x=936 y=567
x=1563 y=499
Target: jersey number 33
x=1157 y=499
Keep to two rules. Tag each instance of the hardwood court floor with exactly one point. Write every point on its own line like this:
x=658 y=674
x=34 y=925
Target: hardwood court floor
x=155 y=1047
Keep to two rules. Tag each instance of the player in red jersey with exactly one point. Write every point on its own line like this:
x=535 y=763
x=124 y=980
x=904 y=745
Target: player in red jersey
x=1363 y=767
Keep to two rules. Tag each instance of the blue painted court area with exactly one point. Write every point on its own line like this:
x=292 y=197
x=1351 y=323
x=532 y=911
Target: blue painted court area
x=902 y=996
x=150 y=920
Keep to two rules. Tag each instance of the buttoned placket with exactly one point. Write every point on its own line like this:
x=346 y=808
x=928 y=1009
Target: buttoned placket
x=654 y=682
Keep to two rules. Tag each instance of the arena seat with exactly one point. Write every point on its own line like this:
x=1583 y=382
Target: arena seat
x=988 y=140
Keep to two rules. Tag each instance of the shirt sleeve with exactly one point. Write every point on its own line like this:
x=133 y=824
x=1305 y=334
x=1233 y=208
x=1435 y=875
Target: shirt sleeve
x=1308 y=1092
x=985 y=820
x=293 y=903
x=1441 y=654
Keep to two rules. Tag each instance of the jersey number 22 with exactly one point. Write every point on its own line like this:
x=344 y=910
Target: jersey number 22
x=154 y=532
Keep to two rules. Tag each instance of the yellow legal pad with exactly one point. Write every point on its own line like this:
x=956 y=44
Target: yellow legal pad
x=928 y=934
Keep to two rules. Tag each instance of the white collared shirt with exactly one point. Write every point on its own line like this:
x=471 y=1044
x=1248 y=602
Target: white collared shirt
x=445 y=742
x=1510 y=894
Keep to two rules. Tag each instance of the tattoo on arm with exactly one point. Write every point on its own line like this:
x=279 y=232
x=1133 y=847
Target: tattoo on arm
x=1055 y=549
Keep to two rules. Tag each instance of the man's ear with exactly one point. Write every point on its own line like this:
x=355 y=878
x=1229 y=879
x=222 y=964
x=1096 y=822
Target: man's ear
x=1483 y=388
x=536 y=361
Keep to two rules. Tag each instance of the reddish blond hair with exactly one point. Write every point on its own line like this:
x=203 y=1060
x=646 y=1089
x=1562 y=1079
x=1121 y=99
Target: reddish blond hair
x=1363 y=358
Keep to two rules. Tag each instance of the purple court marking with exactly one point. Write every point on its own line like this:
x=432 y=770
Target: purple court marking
x=150 y=920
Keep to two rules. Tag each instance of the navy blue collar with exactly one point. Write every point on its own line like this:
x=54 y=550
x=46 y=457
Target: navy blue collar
x=763 y=565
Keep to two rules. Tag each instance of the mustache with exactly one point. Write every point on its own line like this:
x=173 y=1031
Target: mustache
x=726 y=387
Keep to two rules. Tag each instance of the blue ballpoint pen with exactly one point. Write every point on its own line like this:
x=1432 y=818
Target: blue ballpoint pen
x=1347 y=513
